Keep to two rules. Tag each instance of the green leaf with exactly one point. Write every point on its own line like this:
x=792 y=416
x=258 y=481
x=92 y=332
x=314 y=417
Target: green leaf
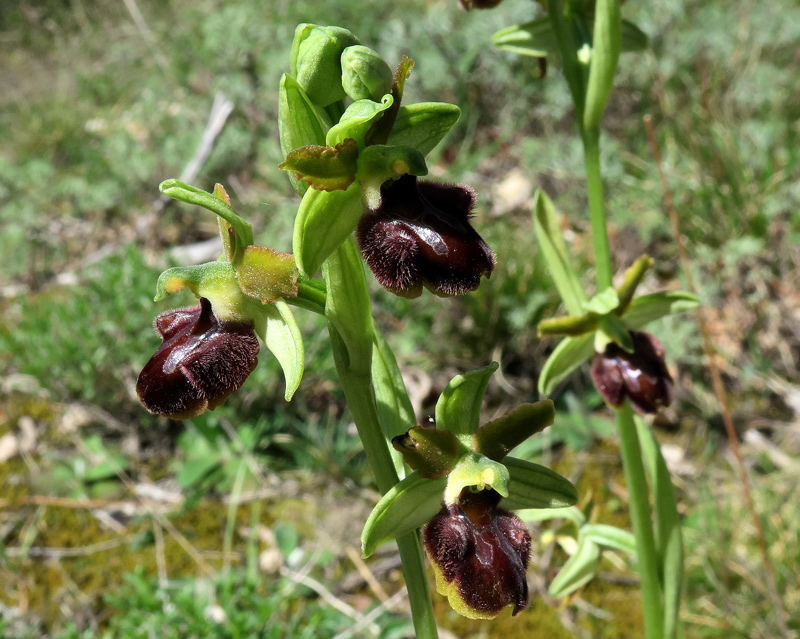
x=267 y=275
x=669 y=544
x=299 y=123
x=497 y=438
x=323 y=222
x=479 y=472
x=535 y=486
x=459 y=407
x=357 y=120
x=349 y=310
x=423 y=125
x=570 y=353
x=324 y=168
x=192 y=195
x=284 y=340
x=603 y=302
x=610 y=537
x=548 y=234
x=394 y=406
x=606 y=48
x=535 y=38
x=572 y=514
x=633 y=38
x=648 y=308
x=411 y=503
x=579 y=570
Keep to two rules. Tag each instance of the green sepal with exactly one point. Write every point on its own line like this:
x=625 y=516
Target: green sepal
x=379 y=163
x=365 y=74
x=570 y=353
x=534 y=486
x=299 y=123
x=632 y=38
x=476 y=471
x=226 y=232
x=283 y=338
x=648 y=308
x=612 y=329
x=459 y=406
x=324 y=220
x=572 y=514
x=357 y=120
x=606 y=46
x=409 y=504
x=548 y=234
x=423 y=125
x=631 y=280
x=267 y=275
x=603 y=302
x=579 y=570
x=497 y=438
x=192 y=195
x=349 y=310
x=394 y=406
x=535 y=38
x=315 y=60
x=569 y=325
x=611 y=537
x=324 y=168
x=669 y=544
x=433 y=453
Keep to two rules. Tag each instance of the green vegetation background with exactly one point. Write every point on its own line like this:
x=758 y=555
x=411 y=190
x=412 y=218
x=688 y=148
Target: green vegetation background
x=219 y=524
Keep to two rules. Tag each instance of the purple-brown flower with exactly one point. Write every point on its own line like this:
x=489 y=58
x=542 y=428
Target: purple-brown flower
x=641 y=376
x=201 y=361
x=479 y=4
x=421 y=235
x=480 y=554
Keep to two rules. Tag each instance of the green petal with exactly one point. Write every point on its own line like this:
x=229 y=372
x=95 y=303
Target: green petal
x=324 y=168
x=266 y=274
x=497 y=438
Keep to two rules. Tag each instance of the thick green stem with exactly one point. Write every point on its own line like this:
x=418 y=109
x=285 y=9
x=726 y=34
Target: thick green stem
x=597 y=209
x=639 y=501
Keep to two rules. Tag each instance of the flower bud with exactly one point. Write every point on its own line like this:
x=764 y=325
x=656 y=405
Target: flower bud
x=641 y=376
x=480 y=554
x=365 y=75
x=318 y=62
x=201 y=361
x=421 y=235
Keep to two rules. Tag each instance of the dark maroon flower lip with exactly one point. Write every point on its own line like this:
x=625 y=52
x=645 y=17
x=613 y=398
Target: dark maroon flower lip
x=481 y=554
x=201 y=361
x=421 y=236
x=641 y=377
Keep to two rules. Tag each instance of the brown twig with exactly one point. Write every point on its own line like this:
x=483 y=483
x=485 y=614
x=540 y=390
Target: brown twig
x=716 y=378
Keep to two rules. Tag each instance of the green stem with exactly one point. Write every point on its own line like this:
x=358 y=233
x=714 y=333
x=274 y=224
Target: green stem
x=597 y=210
x=638 y=497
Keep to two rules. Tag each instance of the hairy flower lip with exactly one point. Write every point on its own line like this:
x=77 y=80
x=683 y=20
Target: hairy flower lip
x=420 y=235
x=201 y=361
x=480 y=553
x=641 y=377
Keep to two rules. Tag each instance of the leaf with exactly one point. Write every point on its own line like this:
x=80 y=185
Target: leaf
x=474 y=470
x=323 y=222
x=669 y=543
x=459 y=407
x=647 y=308
x=394 y=406
x=570 y=353
x=411 y=503
x=497 y=438
x=357 y=120
x=572 y=514
x=423 y=125
x=548 y=234
x=535 y=486
x=579 y=570
x=633 y=38
x=535 y=38
x=324 y=168
x=606 y=45
x=610 y=537
x=267 y=275
x=284 y=340
x=299 y=123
